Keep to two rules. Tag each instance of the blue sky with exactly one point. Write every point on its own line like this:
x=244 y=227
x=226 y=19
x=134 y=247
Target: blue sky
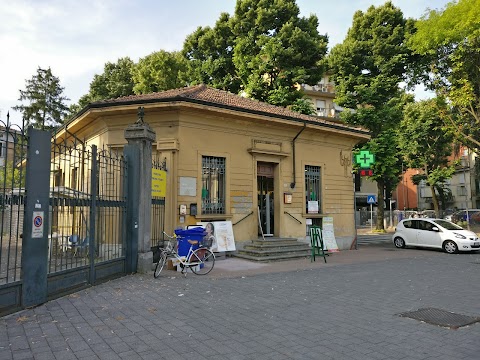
x=76 y=38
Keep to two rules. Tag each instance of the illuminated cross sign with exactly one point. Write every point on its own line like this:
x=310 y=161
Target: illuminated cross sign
x=365 y=159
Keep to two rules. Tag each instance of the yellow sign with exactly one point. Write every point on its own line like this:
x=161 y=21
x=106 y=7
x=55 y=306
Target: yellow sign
x=159 y=183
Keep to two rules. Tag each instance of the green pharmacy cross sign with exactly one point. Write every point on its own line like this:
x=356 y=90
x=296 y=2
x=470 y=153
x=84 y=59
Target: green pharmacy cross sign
x=365 y=159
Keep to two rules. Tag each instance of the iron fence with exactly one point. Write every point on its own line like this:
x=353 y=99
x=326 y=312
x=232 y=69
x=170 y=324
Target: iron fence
x=13 y=150
x=158 y=211
x=87 y=206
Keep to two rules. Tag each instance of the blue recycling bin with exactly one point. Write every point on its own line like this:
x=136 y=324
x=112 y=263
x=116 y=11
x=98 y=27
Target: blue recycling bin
x=183 y=236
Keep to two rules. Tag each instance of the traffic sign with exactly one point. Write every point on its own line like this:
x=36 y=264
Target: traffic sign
x=37 y=228
x=365 y=159
x=371 y=199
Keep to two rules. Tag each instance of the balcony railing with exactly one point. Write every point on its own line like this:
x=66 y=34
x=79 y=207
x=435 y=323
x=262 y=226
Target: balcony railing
x=325 y=88
x=328 y=112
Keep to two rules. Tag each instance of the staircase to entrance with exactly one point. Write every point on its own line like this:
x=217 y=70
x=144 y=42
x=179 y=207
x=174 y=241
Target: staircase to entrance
x=273 y=249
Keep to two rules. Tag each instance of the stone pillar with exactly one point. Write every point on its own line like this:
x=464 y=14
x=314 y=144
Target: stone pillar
x=138 y=154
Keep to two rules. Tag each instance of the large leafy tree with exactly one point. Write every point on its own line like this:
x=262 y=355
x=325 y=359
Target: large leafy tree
x=209 y=52
x=115 y=81
x=427 y=145
x=263 y=51
x=46 y=106
x=449 y=39
x=275 y=49
x=367 y=69
x=159 y=71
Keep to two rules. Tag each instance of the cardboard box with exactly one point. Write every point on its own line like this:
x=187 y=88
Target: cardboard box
x=170 y=265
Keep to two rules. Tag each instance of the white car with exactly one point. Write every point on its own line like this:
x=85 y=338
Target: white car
x=435 y=233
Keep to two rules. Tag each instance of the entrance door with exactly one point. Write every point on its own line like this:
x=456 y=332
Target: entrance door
x=265 y=183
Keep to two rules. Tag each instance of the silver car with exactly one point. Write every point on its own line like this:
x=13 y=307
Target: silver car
x=435 y=233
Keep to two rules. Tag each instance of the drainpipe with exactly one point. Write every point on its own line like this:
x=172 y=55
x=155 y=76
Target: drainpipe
x=292 y=185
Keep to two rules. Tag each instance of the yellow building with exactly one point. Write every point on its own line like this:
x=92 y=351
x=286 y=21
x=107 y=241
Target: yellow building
x=237 y=159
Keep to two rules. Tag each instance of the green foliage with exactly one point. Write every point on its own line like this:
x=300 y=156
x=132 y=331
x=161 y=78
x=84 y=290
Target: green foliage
x=426 y=144
x=303 y=106
x=275 y=49
x=159 y=71
x=46 y=104
x=367 y=69
x=115 y=81
x=210 y=56
x=449 y=39
x=264 y=50
x=11 y=176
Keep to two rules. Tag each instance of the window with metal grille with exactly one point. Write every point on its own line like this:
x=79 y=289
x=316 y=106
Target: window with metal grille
x=213 y=185
x=313 y=202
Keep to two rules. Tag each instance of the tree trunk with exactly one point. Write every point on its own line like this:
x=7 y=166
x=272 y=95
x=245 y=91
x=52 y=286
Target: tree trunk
x=435 y=201
x=380 y=204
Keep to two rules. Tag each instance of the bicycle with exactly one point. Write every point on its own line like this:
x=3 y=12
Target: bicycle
x=201 y=261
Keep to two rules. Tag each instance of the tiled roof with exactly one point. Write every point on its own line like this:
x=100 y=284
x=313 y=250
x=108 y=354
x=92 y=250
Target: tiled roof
x=210 y=96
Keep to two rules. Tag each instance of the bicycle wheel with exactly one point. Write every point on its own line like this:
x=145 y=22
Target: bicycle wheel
x=160 y=264
x=205 y=259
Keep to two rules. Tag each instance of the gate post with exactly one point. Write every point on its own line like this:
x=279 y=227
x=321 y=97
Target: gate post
x=138 y=153
x=35 y=228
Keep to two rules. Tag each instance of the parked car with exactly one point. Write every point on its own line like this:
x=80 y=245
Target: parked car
x=435 y=233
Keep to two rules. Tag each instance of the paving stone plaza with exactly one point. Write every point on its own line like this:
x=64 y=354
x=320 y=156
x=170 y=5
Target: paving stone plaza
x=346 y=309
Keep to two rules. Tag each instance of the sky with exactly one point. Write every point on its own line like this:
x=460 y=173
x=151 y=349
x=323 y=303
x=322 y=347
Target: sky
x=76 y=38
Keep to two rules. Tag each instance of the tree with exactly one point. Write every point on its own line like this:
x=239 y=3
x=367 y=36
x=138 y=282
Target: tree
x=11 y=176
x=426 y=145
x=116 y=81
x=275 y=49
x=159 y=71
x=263 y=51
x=209 y=52
x=449 y=40
x=46 y=108
x=367 y=69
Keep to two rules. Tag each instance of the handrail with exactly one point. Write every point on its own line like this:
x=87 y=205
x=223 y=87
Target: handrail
x=243 y=218
x=293 y=217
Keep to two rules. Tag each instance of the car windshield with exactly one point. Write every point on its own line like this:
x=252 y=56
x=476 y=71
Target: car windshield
x=448 y=225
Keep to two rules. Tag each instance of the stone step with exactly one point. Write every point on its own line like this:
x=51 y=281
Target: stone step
x=271 y=257
x=275 y=243
x=272 y=249
x=256 y=246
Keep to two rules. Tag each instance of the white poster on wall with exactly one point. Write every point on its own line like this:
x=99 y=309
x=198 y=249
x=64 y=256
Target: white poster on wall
x=328 y=234
x=313 y=207
x=221 y=234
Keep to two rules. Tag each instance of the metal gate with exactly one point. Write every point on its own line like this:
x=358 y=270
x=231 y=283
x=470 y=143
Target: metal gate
x=13 y=150
x=81 y=234
x=88 y=207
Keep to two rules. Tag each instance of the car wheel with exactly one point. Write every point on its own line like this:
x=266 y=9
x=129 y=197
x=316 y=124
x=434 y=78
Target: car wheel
x=399 y=242
x=450 y=247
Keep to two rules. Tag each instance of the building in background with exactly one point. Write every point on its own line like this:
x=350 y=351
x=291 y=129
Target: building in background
x=463 y=187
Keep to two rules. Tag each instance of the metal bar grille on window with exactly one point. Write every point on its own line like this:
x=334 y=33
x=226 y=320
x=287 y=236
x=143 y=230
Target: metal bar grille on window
x=312 y=185
x=213 y=185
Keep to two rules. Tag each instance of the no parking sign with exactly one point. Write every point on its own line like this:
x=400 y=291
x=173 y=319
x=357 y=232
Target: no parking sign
x=37 y=226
